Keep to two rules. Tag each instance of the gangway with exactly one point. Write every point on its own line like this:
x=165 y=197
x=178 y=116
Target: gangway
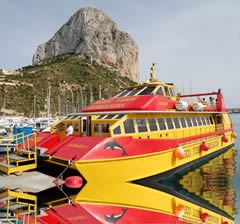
x=23 y=157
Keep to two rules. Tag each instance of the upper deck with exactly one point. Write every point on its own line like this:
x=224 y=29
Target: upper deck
x=156 y=96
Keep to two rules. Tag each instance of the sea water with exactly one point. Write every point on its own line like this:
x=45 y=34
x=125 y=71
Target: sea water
x=236 y=179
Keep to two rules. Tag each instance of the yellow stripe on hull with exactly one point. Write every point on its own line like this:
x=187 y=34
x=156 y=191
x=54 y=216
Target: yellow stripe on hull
x=138 y=167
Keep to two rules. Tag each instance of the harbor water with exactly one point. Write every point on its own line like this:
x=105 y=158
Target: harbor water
x=236 y=179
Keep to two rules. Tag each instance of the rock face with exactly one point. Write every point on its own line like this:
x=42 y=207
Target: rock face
x=91 y=33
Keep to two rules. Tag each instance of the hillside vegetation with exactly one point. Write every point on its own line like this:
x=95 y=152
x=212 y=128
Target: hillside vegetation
x=72 y=81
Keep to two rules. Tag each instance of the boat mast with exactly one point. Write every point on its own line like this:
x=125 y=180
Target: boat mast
x=152 y=74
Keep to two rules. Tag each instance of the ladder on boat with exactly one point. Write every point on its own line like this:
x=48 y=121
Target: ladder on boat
x=18 y=207
x=21 y=155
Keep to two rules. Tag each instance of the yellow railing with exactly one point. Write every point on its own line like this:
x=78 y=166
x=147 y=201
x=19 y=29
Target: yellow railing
x=22 y=146
x=20 y=198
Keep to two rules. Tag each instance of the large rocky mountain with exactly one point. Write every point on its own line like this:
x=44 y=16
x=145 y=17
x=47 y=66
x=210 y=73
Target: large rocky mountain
x=91 y=33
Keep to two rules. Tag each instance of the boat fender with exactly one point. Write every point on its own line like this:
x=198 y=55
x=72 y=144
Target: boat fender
x=198 y=107
x=74 y=182
x=179 y=152
x=204 y=217
x=181 y=105
x=204 y=146
x=179 y=210
x=224 y=138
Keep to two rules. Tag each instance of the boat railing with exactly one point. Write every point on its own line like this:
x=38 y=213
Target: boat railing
x=211 y=101
x=21 y=154
x=19 y=207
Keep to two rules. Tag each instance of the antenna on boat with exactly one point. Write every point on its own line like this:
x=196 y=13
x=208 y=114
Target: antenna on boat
x=152 y=74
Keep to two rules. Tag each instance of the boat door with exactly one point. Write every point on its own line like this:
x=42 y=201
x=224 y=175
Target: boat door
x=84 y=126
x=89 y=123
x=218 y=118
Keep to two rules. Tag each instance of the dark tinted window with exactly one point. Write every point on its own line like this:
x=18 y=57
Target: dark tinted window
x=119 y=116
x=147 y=91
x=129 y=126
x=152 y=124
x=110 y=116
x=123 y=93
x=160 y=91
x=134 y=92
x=194 y=121
x=171 y=92
x=189 y=121
x=169 y=123
x=183 y=122
x=203 y=120
x=105 y=128
x=176 y=122
x=117 y=130
x=199 y=121
x=100 y=116
x=142 y=126
x=96 y=127
x=162 y=124
x=167 y=91
x=211 y=120
x=207 y=120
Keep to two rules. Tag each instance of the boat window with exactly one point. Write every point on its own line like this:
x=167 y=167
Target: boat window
x=110 y=116
x=203 y=121
x=129 y=92
x=134 y=92
x=171 y=92
x=167 y=91
x=176 y=122
x=183 y=122
x=169 y=123
x=119 y=116
x=105 y=128
x=129 y=126
x=162 y=124
x=96 y=128
x=101 y=116
x=117 y=130
x=142 y=126
x=199 y=121
x=211 y=120
x=152 y=124
x=123 y=93
x=147 y=91
x=189 y=122
x=207 y=120
x=194 y=121
x=160 y=91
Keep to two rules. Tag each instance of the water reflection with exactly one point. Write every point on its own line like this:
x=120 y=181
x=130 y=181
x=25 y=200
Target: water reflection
x=212 y=182
x=187 y=193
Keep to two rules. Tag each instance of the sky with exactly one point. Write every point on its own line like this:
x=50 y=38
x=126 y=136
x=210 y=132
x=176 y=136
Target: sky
x=195 y=44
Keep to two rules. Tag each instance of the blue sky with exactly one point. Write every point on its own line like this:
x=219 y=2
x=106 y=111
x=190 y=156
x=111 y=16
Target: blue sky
x=191 y=41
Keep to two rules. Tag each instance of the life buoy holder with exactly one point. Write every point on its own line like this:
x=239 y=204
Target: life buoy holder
x=224 y=138
x=204 y=146
x=204 y=217
x=179 y=210
x=179 y=152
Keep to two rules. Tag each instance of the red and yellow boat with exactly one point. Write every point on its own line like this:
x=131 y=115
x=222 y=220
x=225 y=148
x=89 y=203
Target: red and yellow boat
x=145 y=130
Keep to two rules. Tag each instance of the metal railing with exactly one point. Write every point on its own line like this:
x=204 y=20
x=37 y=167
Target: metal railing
x=28 y=201
x=23 y=144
